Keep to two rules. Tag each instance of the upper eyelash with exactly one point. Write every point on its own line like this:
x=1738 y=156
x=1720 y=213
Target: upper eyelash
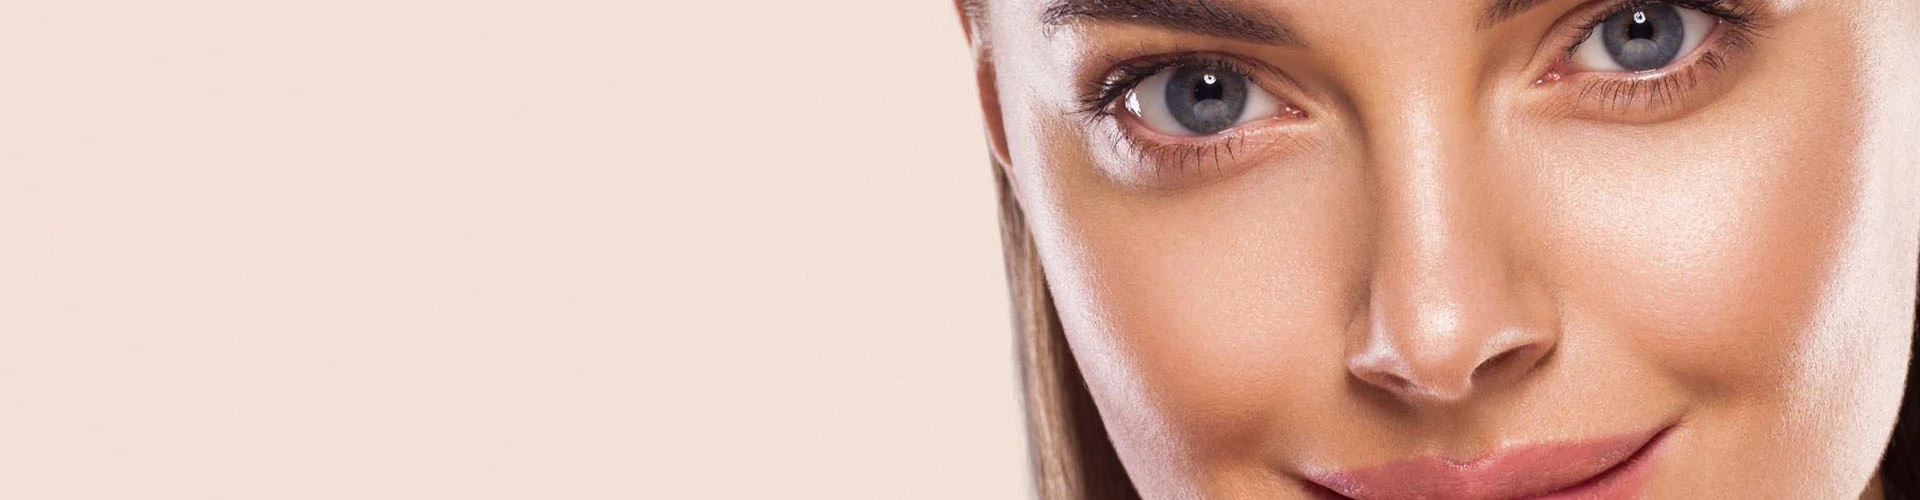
x=1127 y=74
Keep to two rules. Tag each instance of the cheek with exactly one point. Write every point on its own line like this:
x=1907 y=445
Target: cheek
x=1710 y=246
x=1704 y=249
x=1762 y=256
x=1207 y=318
x=1702 y=253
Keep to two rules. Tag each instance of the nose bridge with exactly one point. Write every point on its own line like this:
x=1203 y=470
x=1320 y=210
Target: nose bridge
x=1434 y=235
x=1442 y=306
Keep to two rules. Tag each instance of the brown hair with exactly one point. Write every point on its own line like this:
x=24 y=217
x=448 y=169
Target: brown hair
x=1074 y=460
x=1072 y=457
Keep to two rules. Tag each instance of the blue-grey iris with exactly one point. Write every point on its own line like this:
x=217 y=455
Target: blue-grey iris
x=1645 y=37
x=1206 y=100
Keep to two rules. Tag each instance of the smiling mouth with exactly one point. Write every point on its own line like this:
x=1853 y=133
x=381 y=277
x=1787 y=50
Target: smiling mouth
x=1606 y=468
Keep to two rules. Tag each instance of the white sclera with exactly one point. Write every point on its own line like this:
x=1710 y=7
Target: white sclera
x=1148 y=101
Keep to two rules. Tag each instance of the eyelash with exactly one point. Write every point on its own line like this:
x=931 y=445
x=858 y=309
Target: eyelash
x=1740 y=22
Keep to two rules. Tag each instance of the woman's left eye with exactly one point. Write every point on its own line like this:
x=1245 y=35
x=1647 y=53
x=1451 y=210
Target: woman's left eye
x=1643 y=38
x=1198 y=100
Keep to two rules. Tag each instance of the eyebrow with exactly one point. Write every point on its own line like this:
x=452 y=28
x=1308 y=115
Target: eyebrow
x=1204 y=17
x=1502 y=10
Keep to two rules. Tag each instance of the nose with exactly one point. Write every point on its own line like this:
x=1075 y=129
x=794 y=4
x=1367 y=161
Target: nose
x=1451 y=311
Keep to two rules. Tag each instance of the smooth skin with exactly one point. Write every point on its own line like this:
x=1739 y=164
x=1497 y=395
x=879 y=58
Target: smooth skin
x=1448 y=256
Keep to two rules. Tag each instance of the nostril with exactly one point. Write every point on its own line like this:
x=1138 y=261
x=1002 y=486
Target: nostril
x=1509 y=359
x=1494 y=362
x=1390 y=381
x=1396 y=383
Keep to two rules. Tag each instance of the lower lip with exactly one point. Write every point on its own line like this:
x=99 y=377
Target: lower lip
x=1621 y=482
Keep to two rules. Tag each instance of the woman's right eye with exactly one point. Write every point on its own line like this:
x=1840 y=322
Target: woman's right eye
x=1198 y=100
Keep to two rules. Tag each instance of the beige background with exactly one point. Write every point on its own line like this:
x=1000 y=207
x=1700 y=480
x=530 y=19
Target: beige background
x=526 y=249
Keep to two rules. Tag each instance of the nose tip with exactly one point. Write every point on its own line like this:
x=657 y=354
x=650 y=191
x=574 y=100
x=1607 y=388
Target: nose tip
x=1443 y=357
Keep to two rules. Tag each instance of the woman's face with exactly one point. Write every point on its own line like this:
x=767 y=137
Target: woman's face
x=1474 y=248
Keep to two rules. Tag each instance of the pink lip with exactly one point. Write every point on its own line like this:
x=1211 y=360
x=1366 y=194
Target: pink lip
x=1610 y=467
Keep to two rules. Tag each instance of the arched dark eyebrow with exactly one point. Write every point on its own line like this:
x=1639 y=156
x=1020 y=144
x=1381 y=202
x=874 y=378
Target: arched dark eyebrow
x=1224 y=19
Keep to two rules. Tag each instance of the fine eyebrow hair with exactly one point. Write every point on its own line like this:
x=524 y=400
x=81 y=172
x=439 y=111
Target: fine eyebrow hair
x=1218 y=19
x=1502 y=10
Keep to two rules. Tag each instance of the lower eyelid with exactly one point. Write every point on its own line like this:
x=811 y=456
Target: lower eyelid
x=1151 y=157
x=1695 y=79
x=1141 y=157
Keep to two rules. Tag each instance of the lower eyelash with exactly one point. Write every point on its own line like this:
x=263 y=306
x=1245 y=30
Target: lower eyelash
x=1180 y=158
x=1617 y=95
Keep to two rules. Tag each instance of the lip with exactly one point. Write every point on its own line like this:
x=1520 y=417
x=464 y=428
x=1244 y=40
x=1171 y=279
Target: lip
x=1608 y=467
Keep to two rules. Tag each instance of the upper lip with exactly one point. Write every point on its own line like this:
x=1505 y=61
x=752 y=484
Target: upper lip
x=1510 y=473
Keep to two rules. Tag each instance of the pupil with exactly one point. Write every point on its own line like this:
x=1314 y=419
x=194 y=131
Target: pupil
x=1209 y=89
x=1640 y=29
